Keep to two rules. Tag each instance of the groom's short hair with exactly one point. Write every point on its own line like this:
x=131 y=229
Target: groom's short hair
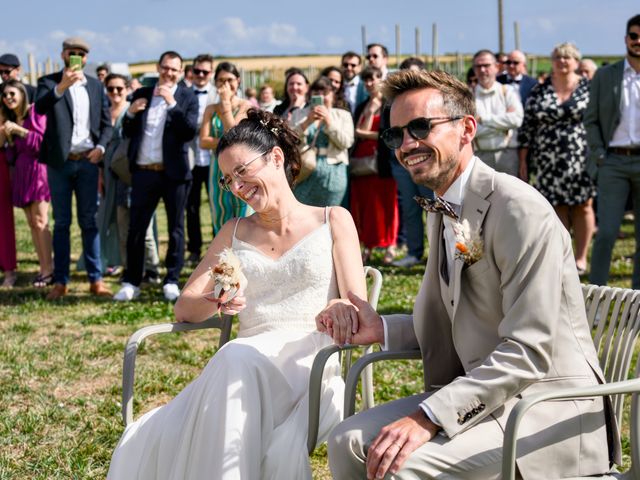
x=457 y=98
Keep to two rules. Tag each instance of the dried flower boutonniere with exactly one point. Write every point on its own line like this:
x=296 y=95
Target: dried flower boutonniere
x=469 y=243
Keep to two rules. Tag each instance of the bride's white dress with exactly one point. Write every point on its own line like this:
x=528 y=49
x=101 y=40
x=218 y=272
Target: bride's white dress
x=245 y=416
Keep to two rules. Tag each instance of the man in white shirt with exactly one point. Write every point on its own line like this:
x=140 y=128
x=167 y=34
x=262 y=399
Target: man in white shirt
x=354 y=91
x=200 y=159
x=612 y=121
x=160 y=122
x=499 y=114
x=78 y=130
x=485 y=335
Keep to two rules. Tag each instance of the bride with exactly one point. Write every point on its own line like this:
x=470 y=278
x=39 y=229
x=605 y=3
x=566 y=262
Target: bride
x=245 y=416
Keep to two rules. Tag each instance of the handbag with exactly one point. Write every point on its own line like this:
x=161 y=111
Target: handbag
x=308 y=159
x=363 y=166
x=120 y=162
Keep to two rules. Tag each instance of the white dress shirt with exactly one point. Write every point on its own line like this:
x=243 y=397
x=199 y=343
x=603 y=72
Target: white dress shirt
x=81 y=134
x=454 y=195
x=151 y=146
x=627 y=133
x=202 y=156
x=351 y=92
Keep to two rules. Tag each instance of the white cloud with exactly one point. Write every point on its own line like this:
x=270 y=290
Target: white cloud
x=335 y=42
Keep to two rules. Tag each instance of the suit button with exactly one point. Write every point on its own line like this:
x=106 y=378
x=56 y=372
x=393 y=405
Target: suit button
x=460 y=420
x=468 y=416
x=452 y=303
x=481 y=407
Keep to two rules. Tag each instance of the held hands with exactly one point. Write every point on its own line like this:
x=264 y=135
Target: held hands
x=13 y=129
x=396 y=441
x=337 y=320
x=165 y=92
x=137 y=105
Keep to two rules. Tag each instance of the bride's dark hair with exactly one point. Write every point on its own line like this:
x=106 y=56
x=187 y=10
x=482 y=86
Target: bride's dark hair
x=261 y=131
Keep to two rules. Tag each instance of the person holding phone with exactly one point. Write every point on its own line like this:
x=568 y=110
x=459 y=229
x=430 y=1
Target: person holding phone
x=331 y=131
x=78 y=130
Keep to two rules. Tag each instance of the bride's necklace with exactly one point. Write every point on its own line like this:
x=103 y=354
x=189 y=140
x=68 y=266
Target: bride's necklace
x=276 y=220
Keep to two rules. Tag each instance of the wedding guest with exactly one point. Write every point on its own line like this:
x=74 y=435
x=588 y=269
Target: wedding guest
x=554 y=135
x=267 y=99
x=8 y=261
x=330 y=130
x=412 y=63
x=246 y=415
x=24 y=129
x=378 y=56
x=101 y=73
x=337 y=81
x=587 y=68
x=219 y=118
x=117 y=90
x=373 y=196
x=251 y=96
x=10 y=69
x=78 y=129
x=354 y=91
x=296 y=88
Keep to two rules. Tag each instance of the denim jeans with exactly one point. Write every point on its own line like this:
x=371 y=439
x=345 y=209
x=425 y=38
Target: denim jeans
x=412 y=213
x=81 y=177
x=617 y=176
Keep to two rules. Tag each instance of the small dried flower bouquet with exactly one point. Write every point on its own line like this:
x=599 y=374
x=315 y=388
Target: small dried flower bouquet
x=227 y=277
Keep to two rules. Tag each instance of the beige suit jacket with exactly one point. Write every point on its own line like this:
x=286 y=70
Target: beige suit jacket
x=515 y=325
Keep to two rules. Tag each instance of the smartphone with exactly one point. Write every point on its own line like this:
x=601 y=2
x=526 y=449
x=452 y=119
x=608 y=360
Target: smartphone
x=317 y=100
x=75 y=62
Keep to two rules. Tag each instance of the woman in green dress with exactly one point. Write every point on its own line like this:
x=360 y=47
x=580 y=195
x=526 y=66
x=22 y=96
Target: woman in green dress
x=219 y=118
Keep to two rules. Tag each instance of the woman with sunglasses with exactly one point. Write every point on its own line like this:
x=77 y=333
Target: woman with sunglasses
x=23 y=132
x=219 y=118
x=553 y=133
x=8 y=260
x=296 y=90
x=246 y=415
x=330 y=129
x=373 y=195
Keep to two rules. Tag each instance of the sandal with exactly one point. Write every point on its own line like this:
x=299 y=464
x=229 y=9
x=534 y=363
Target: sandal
x=389 y=255
x=42 y=281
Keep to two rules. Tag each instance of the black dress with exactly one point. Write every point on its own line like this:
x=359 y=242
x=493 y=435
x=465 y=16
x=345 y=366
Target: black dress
x=556 y=139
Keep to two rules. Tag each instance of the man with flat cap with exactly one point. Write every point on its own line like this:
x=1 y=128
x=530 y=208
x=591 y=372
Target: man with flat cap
x=78 y=129
x=10 y=70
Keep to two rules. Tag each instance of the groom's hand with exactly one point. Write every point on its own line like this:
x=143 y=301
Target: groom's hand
x=339 y=320
x=395 y=442
x=370 y=329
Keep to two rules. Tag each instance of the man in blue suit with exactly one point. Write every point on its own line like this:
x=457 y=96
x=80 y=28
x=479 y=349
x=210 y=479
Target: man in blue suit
x=517 y=75
x=161 y=121
x=78 y=129
x=612 y=121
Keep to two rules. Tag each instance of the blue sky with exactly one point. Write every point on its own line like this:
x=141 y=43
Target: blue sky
x=133 y=30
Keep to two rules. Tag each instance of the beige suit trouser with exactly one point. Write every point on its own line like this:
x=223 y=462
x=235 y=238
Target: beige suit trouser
x=473 y=454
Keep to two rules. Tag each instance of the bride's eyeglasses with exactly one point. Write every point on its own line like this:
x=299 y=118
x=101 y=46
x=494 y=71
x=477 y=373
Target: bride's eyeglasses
x=238 y=172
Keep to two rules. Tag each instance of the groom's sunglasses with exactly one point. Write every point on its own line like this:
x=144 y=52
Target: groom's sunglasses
x=418 y=128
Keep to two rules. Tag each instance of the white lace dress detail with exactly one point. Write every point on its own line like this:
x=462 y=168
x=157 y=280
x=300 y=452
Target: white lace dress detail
x=246 y=415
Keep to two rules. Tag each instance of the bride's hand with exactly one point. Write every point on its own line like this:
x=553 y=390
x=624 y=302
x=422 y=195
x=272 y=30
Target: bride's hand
x=235 y=305
x=339 y=320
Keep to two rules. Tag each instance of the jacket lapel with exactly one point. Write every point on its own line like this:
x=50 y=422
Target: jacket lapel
x=474 y=209
x=618 y=74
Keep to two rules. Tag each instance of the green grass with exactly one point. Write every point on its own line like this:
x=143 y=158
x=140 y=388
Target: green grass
x=61 y=365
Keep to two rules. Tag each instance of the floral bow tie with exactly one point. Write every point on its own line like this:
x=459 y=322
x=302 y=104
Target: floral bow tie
x=439 y=205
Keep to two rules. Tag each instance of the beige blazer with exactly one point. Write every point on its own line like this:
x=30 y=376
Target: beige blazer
x=341 y=133
x=511 y=324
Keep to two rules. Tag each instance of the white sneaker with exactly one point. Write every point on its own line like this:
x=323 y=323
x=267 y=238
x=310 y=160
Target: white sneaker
x=127 y=292
x=406 y=262
x=171 y=291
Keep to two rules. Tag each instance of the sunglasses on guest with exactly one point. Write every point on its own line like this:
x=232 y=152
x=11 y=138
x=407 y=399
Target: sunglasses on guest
x=8 y=94
x=350 y=65
x=419 y=128
x=372 y=55
x=115 y=89
x=512 y=62
x=204 y=73
x=633 y=36
x=79 y=53
x=7 y=72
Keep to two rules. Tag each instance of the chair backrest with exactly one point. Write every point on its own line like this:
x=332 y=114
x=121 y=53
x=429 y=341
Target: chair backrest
x=614 y=319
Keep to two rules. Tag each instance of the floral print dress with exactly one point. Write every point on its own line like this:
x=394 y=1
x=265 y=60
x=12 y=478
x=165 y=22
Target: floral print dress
x=556 y=138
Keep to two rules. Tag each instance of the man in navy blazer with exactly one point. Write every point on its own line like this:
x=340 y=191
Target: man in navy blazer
x=78 y=129
x=517 y=75
x=161 y=121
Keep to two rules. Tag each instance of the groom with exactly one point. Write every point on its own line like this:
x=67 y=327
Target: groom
x=499 y=315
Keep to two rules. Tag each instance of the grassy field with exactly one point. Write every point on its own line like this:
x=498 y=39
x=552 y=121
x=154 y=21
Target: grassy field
x=61 y=363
